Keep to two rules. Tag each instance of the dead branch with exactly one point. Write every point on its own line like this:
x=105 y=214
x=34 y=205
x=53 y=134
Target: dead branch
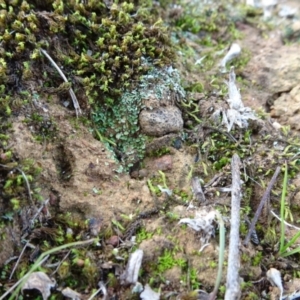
x=72 y=94
x=233 y=290
x=197 y=190
x=261 y=205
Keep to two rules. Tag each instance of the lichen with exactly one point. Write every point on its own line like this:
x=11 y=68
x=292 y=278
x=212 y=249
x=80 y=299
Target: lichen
x=119 y=122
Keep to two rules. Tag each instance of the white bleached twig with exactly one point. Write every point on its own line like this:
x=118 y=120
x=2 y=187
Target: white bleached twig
x=234 y=51
x=233 y=289
x=72 y=94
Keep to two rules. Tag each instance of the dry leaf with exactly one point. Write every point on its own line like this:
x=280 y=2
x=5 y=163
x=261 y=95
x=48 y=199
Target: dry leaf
x=67 y=292
x=41 y=282
x=149 y=294
x=274 y=276
x=234 y=51
x=237 y=114
x=203 y=222
x=133 y=266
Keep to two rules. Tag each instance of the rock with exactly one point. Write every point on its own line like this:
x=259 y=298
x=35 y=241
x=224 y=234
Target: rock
x=276 y=70
x=286 y=108
x=113 y=240
x=161 y=120
x=162 y=163
x=161 y=142
x=143 y=173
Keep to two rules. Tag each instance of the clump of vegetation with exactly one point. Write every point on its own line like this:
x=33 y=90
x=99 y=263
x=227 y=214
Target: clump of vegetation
x=100 y=47
x=103 y=49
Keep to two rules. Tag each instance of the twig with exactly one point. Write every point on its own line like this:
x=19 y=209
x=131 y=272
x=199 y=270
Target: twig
x=72 y=94
x=285 y=222
x=197 y=190
x=43 y=257
x=37 y=264
x=221 y=131
x=261 y=205
x=17 y=262
x=233 y=290
x=38 y=212
x=60 y=263
x=213 y=294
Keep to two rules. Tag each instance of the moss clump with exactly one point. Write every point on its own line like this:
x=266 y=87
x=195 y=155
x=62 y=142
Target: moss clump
x=100 y=47
x=213 y=25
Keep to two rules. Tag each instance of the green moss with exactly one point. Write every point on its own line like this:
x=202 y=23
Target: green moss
x=168 y=260
x=257 y=258
x=143 y=235
x=159 y=152
x=101 y=48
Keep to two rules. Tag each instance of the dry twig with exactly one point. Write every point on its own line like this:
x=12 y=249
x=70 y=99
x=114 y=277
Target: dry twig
x=72 y=94
x=233 y=290
x=261 y=205
x=197 y=190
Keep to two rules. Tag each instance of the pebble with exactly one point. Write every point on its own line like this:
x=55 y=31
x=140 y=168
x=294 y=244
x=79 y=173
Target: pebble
x=163 y=163
x=113 y=240
x=161 y=120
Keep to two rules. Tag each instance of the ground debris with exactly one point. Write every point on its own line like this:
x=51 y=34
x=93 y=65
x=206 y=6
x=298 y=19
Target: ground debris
x=203 y=222
x=149 y=294
x=133 y=266
x=67 y=292
x=41 y=282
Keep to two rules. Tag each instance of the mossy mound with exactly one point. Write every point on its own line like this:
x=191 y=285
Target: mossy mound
x=99 y=46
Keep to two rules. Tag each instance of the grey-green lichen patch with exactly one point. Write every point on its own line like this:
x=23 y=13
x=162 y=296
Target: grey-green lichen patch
x=118 y=124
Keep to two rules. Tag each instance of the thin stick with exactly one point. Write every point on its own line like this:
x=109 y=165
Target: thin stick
x=17 y=262
x=72 y=94
x=60 y=263
x=213 y=294
x=22 y=279
x=261 y=205
x=285 y=222
x=233 y=289
x=18 y=285
x=197 y=190
x=38 y=212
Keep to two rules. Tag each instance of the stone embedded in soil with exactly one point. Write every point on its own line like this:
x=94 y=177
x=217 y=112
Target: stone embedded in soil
x=276 y=70
x=113 y=240
x=160 y=121
x=286 y=107
x=163 y=163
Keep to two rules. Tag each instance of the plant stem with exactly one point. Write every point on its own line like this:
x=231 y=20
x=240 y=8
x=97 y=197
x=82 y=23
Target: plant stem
x=282 y=210
x=261 y=205
x=213 y=295
x=38 y=262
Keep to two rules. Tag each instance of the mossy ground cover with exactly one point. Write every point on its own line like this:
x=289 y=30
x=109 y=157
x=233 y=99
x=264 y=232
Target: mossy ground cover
x=109 y=52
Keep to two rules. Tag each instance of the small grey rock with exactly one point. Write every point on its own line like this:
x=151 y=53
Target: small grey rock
x=161 y=121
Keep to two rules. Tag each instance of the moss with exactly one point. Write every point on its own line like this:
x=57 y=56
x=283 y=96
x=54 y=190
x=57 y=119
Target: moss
x=257 y=258
x=100 y=48
x=159 y=152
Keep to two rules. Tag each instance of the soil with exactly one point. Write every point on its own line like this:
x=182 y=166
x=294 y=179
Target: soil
x=80 y=178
